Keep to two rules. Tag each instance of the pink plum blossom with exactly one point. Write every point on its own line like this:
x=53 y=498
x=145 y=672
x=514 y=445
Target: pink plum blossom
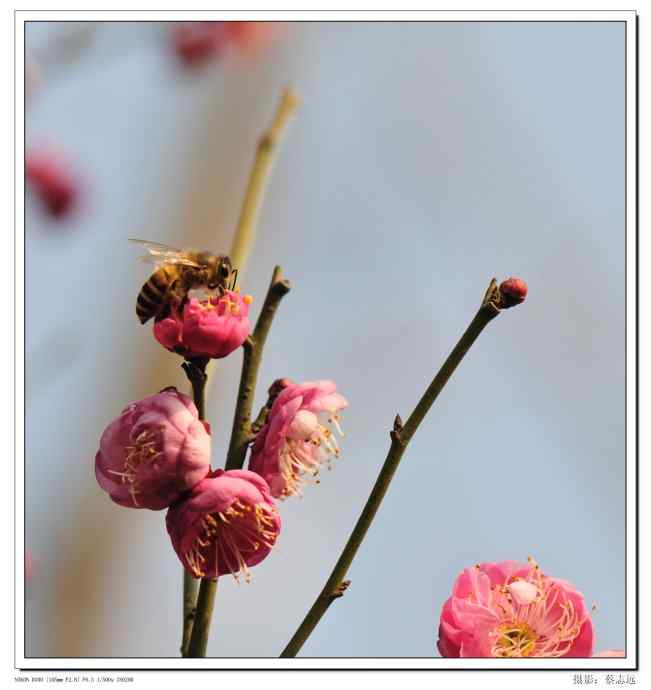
x=298 y=436
x=49 y=175
x=226 y=525
x=510 y=609
x=153 y=452
x=211 y=327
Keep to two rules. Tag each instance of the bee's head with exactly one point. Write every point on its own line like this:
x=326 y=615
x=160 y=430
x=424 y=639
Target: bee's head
x=221 y=270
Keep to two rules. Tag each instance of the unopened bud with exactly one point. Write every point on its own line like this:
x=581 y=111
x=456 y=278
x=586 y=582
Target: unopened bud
x=277 y=386
x=513 y=291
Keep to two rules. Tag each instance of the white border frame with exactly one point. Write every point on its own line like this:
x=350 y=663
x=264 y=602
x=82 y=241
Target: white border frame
x=595 y=664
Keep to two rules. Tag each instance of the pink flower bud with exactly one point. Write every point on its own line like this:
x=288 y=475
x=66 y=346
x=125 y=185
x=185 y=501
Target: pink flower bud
x=51 y=179
x=198 y=42
x=211 y=327
x=510 y=609
x=153 y=452
x=227 y=524
x=513 y=291
x=298 y=437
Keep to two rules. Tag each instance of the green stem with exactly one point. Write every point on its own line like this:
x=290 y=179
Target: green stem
x=242 y=428
x=195 y=370
x=267 y=149
x=400 y=437
x=190 y=591
x=201 y=628
x=259 y=178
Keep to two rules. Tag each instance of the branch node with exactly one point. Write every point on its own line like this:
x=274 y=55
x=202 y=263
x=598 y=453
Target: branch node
x=492 y=298
x=195 y=369
x=340 y=590
x=282 y=287
x=396 y=432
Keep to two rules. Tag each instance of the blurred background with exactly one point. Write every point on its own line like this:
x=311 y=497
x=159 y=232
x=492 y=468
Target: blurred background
x=426 y=159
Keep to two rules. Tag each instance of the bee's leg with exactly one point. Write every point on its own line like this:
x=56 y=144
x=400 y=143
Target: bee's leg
x=234 y=283
x=163 y=312
x=173 y=300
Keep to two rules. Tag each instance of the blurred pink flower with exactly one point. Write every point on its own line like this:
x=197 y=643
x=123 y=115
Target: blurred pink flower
x=198 y=42
x=211 y=327
x=611 y=653
x=155 y=450
x=251 y=38
x=510 y=609
x=298 y=438
x=51 y=180
x=513 y=291
x=226 y=525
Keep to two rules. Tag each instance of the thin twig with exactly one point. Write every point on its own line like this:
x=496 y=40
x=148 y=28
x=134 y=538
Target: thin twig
x=253 y=347
x=195 y=370
x=268 y=146
x=202 y=618
x=401 y=434
x=265 y=154
x=190 y=592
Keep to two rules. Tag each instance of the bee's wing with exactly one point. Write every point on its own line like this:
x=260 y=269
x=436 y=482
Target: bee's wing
x=160 y=254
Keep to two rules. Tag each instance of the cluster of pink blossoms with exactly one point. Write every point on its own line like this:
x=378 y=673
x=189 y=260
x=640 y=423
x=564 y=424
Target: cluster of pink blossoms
x=156 y=454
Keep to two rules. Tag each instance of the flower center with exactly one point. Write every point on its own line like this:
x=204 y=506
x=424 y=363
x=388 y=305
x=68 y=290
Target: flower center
x=144 y=450
x=300 y=457
x=227 y=304
x=514 y=640
x=232 y=537
x=538 y=618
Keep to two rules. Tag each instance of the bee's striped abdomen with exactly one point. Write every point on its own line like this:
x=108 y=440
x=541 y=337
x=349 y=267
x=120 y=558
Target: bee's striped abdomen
x=151 y=298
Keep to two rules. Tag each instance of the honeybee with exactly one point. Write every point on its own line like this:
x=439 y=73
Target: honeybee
x=177 y=272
